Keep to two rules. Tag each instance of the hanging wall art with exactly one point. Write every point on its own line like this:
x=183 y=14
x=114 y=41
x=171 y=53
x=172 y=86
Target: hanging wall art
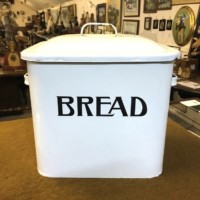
x=131 y=8
x=183 y=25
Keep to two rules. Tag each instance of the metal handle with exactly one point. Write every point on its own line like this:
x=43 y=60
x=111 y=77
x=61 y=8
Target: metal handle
x=26 y=79
x=98 y=24
x=174 y=80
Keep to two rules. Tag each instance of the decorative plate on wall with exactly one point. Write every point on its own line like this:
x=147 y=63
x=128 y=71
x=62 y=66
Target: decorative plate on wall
x=183 y=25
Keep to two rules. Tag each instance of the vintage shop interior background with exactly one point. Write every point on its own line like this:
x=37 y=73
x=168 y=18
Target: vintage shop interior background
x=164 y=37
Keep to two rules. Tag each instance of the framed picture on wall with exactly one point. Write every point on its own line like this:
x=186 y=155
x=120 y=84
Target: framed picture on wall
x=64 y=16
x=183 y=25
x=68 y=13
x=101 y=12
x=114 y=13
x=54 y=15
x=147 y=23
x=72 y=12
x=155 y=24
x=131 y=8
x=181 y=2
x=169 y=24
x=194 y=51
x=131 y=27
x=11 y=1
x=164 y=5
x=150 y=6
x=162 y=25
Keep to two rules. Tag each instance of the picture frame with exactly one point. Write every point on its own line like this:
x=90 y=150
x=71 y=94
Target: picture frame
x=131 y=8
x=183 y=25
x=114 y=13
x=4 y=1
x=194 y=51
x=164 y=5
x=131 y=27
x=101 y=13
x=162 y=25
x=72 y=12
x=55 y=15
x=155 y=24
x=175 y=47
x=147 y=23
x=150 y=6
x=64 y=16
x=68 y=13
x=182 y=2
x=169 y=24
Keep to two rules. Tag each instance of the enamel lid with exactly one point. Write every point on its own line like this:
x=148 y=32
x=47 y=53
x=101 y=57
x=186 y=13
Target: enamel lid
x=99 y=48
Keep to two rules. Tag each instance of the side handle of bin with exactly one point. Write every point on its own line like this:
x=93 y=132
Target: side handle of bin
x=174 y=80
x=26 y=79
x=97 y=24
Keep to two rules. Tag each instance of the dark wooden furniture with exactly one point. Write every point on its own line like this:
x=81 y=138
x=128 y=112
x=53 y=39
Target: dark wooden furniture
x=186 y=92
x=13 y=92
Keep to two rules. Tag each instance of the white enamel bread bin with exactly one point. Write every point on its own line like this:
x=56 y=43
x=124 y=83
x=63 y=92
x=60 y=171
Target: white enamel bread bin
x=100 y=105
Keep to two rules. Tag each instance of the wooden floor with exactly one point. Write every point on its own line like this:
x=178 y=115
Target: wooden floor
x=21 y=180
x=25 y=114
x=185 y=121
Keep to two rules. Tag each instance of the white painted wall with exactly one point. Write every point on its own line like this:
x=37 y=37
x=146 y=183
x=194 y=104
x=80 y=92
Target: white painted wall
x=164 y=37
